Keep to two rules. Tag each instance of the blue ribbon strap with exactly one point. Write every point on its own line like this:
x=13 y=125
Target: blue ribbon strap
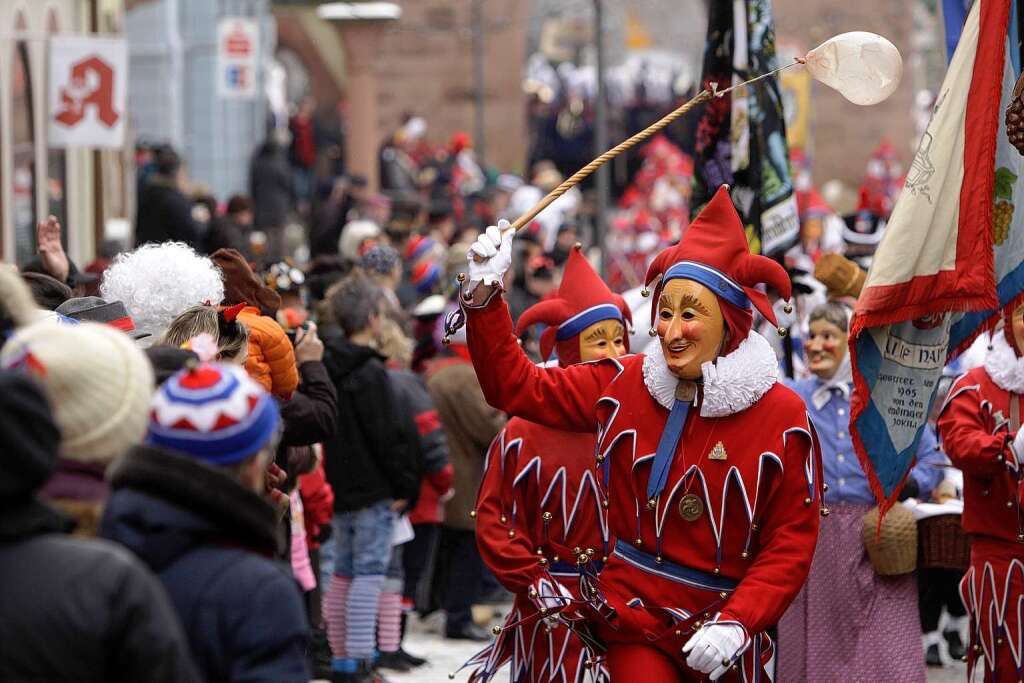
x=667 y=448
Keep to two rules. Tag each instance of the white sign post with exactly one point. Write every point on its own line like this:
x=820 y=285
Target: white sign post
x=88 y=89
x=237 y=42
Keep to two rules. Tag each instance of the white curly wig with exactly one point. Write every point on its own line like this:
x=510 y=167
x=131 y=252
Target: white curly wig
x=157 y=282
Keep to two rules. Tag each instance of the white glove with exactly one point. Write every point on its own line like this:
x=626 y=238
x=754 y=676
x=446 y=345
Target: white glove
x=1018 y=444
x=712 y=649
x=550 y=595
x=495 y=250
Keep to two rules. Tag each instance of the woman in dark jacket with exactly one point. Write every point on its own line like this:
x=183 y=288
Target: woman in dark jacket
x=270 y=186
x=79 y=610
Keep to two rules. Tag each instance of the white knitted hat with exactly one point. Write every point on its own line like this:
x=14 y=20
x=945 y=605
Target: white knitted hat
x=98 y=382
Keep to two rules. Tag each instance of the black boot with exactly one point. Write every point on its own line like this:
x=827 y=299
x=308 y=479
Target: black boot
x=320 y=654
x=957 y=650
x=413 y=660
x=467 y=631
x=393 y=661
x=931 y=656
x=364 y=673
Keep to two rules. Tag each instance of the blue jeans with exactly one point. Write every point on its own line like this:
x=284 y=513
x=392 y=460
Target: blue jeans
x=362 y=540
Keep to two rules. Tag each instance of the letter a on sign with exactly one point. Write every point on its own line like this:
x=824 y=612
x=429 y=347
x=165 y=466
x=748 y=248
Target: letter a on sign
x=88 y=86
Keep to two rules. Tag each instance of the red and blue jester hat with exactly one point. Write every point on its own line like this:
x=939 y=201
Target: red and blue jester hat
x=582 y=300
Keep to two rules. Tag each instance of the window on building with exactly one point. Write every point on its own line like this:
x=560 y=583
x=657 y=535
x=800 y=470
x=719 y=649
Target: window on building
x=23 y=172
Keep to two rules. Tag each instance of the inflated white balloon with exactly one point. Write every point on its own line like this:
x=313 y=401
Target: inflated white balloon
x=864 y=67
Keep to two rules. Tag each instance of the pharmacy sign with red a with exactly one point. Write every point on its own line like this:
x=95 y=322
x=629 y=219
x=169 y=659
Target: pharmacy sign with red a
x=87 y=89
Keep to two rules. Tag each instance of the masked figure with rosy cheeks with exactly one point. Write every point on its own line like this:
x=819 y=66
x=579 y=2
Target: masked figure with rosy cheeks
x=980 y=428
x=878 y=635
x=707 y=465
x=540 y=498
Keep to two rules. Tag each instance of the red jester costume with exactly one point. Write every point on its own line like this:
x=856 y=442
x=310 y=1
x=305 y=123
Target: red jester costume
x=708 y=465
x=540 y=496
x=980 y=429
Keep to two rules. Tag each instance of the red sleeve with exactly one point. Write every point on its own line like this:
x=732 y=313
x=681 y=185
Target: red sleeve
x=967 y=435
x=788 y=535
x=317 y=496
x=505 y=547
x=441 y=480
x=560 y=398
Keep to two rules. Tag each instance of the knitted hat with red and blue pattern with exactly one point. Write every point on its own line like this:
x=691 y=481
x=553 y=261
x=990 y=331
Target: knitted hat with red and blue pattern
x=214 y=413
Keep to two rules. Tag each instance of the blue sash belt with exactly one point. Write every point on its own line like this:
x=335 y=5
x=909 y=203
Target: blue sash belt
x=672 y=571
x=562 y=568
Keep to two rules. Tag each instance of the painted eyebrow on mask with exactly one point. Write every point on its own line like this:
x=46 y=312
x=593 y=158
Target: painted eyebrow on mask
x=685 y=300
x=597 y=334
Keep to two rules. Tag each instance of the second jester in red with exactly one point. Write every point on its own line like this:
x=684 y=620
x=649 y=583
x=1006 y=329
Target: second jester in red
x=540 y=518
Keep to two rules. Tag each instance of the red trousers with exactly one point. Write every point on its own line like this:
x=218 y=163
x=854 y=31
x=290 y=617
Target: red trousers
x=993 y=591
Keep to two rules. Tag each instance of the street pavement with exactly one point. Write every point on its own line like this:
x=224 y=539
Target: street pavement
x=424 y=638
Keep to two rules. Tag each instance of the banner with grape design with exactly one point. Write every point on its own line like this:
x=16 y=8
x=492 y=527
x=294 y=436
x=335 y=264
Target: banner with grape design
x=951 y=257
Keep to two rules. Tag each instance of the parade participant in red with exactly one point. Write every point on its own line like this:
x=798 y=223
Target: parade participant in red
x=707 y=463
x=980 y=429
x=540 y=492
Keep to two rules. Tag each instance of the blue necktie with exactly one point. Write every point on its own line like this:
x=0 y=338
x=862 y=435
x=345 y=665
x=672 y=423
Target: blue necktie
x=667 y=448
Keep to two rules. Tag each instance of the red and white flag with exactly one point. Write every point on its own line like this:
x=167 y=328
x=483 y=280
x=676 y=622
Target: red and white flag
x=933 y=282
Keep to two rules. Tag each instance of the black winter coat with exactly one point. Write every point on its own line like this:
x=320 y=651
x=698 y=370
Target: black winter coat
x=311 y=414
x=421 y=422
x=165 y=213
x=270 y=185
x=370 y=458
x=210 y=539
x=226 y=233
x=81 y=610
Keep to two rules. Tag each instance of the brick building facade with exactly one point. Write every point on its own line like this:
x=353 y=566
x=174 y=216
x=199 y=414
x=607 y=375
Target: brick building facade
x=843 y=134
x=423 y=63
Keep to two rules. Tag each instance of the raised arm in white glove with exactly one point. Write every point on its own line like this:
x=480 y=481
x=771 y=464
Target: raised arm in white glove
x=495 y=251
x=712 y=649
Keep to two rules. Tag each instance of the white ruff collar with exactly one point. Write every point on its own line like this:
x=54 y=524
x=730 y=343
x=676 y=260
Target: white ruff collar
x=732 y=383
x=1003 y=366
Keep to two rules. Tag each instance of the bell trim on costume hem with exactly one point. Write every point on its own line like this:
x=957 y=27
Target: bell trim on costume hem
x=981 y=618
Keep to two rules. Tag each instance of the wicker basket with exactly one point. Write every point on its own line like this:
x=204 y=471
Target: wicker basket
x=943 y=543
x=893 y=551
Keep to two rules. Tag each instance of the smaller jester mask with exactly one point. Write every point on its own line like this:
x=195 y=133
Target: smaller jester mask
x=605 y=339
x=585 y=320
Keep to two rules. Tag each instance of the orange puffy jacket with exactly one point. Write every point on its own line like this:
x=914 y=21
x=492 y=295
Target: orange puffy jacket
x=271 y=359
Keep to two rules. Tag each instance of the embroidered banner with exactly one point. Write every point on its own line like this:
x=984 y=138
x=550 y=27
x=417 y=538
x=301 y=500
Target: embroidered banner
x=953 y=235
x=741 y=137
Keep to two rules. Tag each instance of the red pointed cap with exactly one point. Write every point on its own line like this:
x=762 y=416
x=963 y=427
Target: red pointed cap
x=715 y=253
x=581 y=300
